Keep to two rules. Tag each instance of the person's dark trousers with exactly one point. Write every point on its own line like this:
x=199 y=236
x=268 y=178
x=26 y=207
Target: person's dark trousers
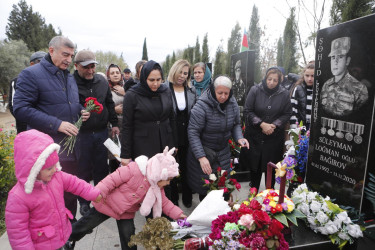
x=93 y=218
x=70 y=199
x=255 y=178
x=113 y=165
x=187 y=195
x=93 y=157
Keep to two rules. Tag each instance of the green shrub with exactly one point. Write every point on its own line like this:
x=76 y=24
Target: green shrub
x=7 y=177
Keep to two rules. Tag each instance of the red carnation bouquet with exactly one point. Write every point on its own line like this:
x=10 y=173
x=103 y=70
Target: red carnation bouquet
x=222 y=179
x=91 y=105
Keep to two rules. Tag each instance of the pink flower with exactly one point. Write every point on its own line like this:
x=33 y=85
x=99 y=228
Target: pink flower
x=1 y=129
x=12 y=125
x=238 y=186
x=207 y=181
x=247 y=221
x=253 y=191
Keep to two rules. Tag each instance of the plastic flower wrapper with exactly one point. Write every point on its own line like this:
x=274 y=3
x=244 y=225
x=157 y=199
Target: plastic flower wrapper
x=325 y=217
x=91 y=105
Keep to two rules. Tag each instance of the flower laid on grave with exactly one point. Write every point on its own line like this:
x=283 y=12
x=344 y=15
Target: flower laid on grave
x=325 y=217
x=91 y=105
x=248 y=227
x=296 y=157
x=222 y=179
x=235 y=148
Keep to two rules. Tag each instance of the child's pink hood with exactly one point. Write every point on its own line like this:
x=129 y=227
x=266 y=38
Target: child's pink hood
x=31 y=149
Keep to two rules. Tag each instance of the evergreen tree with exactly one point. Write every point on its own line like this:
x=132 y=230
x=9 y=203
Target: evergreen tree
x=290 y=47
x=14 y=57
x=255 y=33
x=234 y=45
x=280 y=52
x=345 y=10
x=167 y=66
x=24 y=24
x=104 y=59
x=173 y=59
x=205 y=53
x=144 y=53
x=197 y=52
x=219 y=67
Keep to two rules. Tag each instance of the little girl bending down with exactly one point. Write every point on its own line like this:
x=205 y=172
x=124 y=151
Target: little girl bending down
x=137 y=186
x=35 y=213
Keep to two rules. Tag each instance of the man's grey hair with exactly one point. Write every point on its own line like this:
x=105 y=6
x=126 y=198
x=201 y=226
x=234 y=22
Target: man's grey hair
x=59 y=41
x=223 y=81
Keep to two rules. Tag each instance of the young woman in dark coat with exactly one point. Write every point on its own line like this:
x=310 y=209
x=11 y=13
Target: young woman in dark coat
x=267 y=110
x=183 y=97
x=148 y=120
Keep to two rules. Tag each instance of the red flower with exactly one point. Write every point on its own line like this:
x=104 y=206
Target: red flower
x=275 y=228
x=221 y=182
x=230 y=141
x=238 y=186
x=261 y=218
x=234 y=181
x=255 y=205
x=279 y=208
x=225 y=173
x=219 y=169
x=226 y=190
x=273 y=210
x=299 y=179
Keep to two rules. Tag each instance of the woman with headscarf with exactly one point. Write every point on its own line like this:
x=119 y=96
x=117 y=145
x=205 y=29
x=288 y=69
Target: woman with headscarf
x=148 y=120
x=214 y=119
x=116 y=84
x=202 y=77
x=183 y=97
x=131 y=82
x=267 y=110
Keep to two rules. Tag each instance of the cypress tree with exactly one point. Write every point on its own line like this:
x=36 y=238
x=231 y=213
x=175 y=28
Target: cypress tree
x=197 y=52
x=255 y=33
x=144 y=52
x=173 y=59
x=345 y=10
x=205 y=53
x=234 y=45
x=290 y=40
x=218 y=67
x=280 y=52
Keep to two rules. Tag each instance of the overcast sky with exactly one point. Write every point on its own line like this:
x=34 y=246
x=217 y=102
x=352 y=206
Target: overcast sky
x=168 y=25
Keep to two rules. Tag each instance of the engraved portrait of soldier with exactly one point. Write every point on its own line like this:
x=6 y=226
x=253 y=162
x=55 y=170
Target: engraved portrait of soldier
x=239 y=87
x=342 y=94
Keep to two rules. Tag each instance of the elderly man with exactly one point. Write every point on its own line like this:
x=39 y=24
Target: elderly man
x=93 y=158
x=34 y=59
x=48 y=101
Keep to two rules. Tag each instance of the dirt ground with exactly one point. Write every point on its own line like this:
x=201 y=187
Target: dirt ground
x=7 y=121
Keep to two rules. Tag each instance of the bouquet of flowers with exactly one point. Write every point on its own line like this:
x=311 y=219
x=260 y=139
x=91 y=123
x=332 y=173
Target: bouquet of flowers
x=91 y=105
x=296 y=157
x=325 y=217
x=222 y=179
x=247 y=227
x=235 y=148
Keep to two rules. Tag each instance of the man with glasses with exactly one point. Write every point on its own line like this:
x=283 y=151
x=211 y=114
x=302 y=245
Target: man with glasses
x=93 y=158
x=47 y=100
x=34 y=59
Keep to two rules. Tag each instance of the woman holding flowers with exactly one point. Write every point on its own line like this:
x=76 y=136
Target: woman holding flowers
x=267 y=110
x=213 y=120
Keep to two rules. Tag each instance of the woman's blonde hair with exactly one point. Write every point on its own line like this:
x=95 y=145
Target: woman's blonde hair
x=176 y=69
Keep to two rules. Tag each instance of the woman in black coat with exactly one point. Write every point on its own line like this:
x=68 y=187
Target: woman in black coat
x=267 y=110
x=183 y=97
x=148 y=121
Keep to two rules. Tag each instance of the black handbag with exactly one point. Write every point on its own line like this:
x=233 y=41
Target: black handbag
x=211 y=155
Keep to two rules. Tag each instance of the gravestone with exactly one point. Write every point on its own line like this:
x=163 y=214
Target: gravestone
x=341 y=156
x=242 y=76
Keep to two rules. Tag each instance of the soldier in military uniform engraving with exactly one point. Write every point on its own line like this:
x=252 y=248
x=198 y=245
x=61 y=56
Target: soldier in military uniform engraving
x=239 y=87
x=342 y=94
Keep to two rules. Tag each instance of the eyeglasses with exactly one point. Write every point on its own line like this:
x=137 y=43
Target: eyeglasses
x=90 y=66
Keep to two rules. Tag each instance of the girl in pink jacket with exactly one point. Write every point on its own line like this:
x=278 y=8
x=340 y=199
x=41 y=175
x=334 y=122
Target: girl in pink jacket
x=137 y=186
x=35 y=213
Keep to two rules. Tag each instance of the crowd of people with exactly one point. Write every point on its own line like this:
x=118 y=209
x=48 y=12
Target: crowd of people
x=166 y=126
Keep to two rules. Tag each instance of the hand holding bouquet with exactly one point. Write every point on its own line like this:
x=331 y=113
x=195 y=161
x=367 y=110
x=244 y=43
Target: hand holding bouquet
x=91 y=105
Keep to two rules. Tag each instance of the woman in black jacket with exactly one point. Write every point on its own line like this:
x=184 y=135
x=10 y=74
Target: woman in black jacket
x=183 y=97
x=302 y=98
x=148 y=120
x=267 y=110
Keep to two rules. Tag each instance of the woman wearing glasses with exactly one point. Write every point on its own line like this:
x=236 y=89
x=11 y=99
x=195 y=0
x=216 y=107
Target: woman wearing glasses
x=116 y=83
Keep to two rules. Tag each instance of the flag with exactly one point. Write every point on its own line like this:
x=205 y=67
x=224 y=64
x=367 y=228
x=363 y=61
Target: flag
x=245 y=45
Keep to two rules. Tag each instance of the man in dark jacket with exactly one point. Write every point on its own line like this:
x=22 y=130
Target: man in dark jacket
x=93 y=158
x=48 y=101
x=34 y=59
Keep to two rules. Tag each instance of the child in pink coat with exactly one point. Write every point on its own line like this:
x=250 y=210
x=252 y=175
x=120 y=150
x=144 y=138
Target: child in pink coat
x=137 y=186
x=35 y=213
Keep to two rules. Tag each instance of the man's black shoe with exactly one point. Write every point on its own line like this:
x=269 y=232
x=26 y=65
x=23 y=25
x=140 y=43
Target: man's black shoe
x=187 y=204
x=84 y=208
x=69 y=245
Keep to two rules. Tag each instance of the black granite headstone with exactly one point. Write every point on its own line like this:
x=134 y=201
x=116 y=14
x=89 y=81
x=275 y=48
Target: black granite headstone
x=341 y=149
x=242 y=74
